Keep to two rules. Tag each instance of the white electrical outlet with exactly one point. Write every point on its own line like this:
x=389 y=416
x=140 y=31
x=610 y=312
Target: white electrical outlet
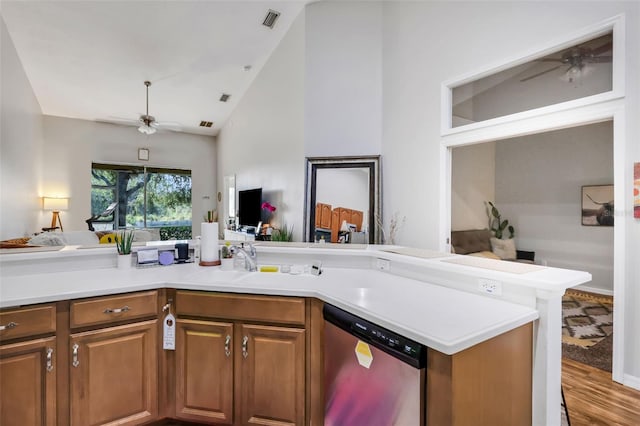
x=490 y=287
x=383 y=264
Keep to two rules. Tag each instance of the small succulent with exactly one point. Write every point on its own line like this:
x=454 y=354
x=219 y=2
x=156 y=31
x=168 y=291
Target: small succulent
x=124 y=240
x=226 y=251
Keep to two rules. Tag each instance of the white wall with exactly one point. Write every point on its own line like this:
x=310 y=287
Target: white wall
x=262 y=142
x=343 y=79
x=71 y=146
x=20 y=147
x=426 y=43
x=538 y=188
x=422 y=44
x=472 y=184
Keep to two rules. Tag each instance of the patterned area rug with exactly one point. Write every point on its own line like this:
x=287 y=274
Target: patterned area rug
x=587 y=318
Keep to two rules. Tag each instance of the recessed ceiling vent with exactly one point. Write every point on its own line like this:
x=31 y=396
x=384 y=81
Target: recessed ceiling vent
x=224 y=97
x=270 y=19
x=206 y=123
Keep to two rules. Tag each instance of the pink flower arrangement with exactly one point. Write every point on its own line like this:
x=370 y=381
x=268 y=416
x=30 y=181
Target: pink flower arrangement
x=267 y=206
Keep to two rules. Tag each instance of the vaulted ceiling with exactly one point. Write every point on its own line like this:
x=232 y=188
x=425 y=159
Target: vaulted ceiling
x=89 y=59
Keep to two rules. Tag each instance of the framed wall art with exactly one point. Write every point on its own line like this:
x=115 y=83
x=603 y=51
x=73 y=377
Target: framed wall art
x=597 y=205
x=636 y=190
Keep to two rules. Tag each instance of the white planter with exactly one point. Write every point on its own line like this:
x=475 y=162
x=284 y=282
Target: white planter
x=124 y=261
x=227 y=264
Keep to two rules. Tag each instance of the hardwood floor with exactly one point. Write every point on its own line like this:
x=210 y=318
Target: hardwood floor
x=594 y=399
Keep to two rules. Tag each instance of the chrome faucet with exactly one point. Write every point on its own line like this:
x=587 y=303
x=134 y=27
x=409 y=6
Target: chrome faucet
x=250 y=257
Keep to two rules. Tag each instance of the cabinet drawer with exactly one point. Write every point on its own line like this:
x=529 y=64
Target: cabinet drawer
x=111 y=309
x=27 y=322
x=271 y=309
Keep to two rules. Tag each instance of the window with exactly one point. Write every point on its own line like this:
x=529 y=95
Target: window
x=570 y=73
x=147 y=198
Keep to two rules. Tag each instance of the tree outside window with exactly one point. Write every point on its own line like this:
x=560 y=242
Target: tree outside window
x=147 y=198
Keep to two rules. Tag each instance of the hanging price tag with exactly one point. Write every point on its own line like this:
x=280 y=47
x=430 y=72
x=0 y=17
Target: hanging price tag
x=169 y=335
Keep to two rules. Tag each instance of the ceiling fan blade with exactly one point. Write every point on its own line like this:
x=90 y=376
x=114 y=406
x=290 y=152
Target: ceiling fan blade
x=169 y=125
x=549 y=60
x=599 y=59
x=540 y=73
x=603 y=48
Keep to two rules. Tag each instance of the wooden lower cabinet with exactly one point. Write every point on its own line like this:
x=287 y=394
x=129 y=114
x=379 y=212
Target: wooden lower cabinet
x=271 y=375
x=28 y=383
x=113 y=376
x=204 y=371
x=266 y=363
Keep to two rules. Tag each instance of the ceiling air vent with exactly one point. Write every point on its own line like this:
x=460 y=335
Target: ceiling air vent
x=224 y=97
x=206 y=123
x=270 y=19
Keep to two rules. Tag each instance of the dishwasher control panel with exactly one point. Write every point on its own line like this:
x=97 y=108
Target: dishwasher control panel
x=411 y=352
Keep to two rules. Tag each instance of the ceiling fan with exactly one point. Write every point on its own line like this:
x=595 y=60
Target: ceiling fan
x=149 y=124
x=578 y=60
x=146 y=123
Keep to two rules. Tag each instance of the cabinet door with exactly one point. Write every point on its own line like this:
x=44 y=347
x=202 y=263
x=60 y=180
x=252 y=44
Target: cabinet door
x=204 y=371
x=271 y=374
x=114 y=375
x=356 y=219
x=325 y=216
x=28 y=383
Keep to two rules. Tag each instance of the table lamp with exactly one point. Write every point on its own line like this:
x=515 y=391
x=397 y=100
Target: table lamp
x=55 y=205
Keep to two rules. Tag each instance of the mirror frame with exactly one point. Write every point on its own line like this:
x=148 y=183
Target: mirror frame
x=315 y=163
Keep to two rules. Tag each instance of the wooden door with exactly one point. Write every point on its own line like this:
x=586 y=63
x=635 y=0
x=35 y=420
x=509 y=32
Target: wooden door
x=28 y=383
x=204 y=371
x=114 y=375
x=271 y=375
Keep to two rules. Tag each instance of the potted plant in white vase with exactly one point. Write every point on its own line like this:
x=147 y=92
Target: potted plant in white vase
x=124 y=241
x=226 y=257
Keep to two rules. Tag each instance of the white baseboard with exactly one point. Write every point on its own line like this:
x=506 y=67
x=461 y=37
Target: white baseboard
x=631 y=381
x=596 y=290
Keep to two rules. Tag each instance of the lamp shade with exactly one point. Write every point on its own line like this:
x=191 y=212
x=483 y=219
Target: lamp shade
x=55 y=204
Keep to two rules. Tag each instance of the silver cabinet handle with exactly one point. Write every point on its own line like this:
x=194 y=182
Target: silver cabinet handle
x=9 y=326
x=245 y=344
x=75 y=362
x=49 y=360
x=227 y=344
x=117 y=310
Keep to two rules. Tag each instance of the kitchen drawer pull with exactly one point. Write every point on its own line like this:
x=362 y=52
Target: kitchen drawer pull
x=75 y=362
x=49 y=360
x=227 y=344
x=245 y=344
x=9 y=326
x=117 y=310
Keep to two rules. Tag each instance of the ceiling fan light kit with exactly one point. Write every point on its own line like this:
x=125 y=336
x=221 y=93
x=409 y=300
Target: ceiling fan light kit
x=147 y=120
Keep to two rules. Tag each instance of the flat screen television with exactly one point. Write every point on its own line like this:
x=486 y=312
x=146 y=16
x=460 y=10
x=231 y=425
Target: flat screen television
x=249 y=207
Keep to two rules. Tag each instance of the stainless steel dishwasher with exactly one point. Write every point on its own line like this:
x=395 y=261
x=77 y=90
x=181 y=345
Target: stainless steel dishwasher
x=373 y=376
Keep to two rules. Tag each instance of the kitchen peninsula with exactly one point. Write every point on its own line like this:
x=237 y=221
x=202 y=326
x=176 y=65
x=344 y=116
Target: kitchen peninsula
x=432 y=298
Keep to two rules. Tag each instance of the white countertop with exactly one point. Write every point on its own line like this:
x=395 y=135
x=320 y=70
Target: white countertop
x=442 y=318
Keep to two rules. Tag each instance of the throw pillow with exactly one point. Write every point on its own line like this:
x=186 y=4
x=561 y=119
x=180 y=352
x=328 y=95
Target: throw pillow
x=505 y=249
x=48 y=239
x=108 y=239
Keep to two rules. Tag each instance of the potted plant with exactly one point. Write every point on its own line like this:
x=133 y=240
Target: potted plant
x=226 y=257
x=124 y=241
x=282 y=234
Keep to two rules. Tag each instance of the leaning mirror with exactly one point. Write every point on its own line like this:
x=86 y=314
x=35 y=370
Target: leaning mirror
x=342 y=200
